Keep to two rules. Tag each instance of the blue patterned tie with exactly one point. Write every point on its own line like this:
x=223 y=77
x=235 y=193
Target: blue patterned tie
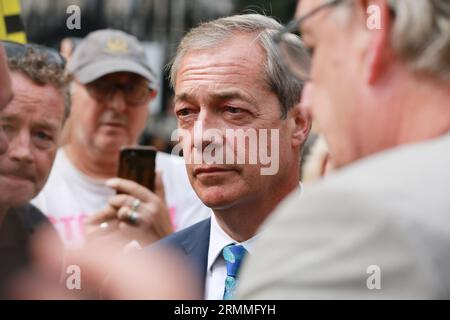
x=233 y=255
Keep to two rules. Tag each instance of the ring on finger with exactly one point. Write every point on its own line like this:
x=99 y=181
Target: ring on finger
x=135 y=204
x=104 y=225
x=133 y=216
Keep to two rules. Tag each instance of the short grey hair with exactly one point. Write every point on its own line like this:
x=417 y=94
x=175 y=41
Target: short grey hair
x=421 y=35
x=277 y=76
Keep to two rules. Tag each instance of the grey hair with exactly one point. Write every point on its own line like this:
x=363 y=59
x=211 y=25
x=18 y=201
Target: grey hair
x=421 y=35
x=277 y=76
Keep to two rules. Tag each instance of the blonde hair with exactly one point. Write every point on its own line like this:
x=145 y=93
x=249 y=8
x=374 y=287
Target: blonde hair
x=315 y=165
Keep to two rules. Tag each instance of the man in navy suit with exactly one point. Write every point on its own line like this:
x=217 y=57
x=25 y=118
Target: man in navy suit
x=242 y=132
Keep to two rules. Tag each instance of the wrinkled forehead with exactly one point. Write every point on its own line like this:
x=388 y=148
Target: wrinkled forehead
x=237 y=57
x=28 y=92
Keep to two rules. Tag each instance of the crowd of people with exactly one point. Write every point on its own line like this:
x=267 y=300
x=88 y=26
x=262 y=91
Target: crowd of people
x=227 y=226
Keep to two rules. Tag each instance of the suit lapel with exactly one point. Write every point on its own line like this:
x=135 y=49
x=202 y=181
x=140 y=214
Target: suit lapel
x=196 y=247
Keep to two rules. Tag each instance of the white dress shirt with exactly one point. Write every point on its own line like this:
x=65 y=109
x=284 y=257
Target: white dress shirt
x=217 y=270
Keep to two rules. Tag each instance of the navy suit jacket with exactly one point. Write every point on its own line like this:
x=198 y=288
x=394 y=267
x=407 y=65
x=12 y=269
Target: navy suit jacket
x=193 y=243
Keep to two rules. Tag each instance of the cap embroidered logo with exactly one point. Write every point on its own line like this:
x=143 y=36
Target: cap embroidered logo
x=117 y=46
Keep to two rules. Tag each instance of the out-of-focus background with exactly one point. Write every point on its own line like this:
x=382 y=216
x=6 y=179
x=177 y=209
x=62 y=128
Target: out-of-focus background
x=159 y=24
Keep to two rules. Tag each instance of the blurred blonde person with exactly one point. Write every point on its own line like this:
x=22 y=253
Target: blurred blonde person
x=318 y=162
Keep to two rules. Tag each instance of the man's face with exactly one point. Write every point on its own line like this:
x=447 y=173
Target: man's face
x=104 y=125
x=337 y=77
x=32 y=123
x=223 y=89
x=5 y=94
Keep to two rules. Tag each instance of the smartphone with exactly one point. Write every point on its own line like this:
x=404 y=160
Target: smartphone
x=138 y=164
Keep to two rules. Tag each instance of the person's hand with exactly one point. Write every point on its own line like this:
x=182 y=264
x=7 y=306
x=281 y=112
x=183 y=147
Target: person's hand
x=99 y=271
x=134 y=214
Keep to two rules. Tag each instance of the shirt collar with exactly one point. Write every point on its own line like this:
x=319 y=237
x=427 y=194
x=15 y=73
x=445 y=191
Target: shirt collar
x=218 y=239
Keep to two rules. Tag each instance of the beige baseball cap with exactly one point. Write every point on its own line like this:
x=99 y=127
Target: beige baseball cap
x=107 y=51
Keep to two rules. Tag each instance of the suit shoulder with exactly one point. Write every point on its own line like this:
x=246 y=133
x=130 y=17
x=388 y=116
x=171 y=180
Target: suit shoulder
x=189 y=234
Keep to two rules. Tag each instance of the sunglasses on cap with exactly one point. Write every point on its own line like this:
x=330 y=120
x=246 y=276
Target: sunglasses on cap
x=17 y=50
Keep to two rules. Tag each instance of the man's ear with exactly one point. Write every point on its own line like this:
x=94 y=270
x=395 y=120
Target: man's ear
x=377 y=45
x=300 y=124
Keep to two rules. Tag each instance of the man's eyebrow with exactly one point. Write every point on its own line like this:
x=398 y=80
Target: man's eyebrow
x=228 y=95
x=10 y=117
x=217 y=96
x=46 y=125
x=43 y=124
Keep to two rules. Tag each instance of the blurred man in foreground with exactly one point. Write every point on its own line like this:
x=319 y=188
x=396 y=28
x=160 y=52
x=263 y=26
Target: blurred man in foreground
x=6 y=94
x=379 y=227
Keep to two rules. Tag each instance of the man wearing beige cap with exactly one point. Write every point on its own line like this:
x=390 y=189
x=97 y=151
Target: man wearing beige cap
x=112 y=88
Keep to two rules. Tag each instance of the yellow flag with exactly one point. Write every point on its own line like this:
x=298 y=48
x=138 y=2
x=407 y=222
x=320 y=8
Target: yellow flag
x=11 y=25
